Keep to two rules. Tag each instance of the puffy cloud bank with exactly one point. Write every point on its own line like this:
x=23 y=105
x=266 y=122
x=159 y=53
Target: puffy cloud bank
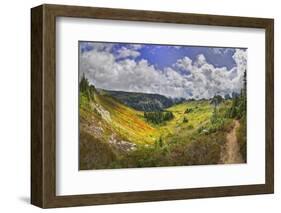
x=185 y=78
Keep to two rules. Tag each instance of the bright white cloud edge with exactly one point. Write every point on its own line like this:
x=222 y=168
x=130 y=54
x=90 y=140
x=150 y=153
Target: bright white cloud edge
x=186 y=78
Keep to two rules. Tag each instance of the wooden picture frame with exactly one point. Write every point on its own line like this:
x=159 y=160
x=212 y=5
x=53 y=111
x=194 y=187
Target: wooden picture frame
x=43 y=105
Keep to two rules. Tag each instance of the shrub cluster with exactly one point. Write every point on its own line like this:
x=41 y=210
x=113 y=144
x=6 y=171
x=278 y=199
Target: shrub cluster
x=158 y=117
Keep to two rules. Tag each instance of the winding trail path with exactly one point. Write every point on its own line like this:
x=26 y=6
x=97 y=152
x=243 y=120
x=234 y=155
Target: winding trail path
x=231 y=153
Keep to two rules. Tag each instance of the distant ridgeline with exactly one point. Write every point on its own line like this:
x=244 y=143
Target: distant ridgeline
x=142 y=101
x=146 y=102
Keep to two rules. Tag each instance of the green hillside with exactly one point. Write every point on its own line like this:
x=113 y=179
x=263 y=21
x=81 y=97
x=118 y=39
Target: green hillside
x=114 y=135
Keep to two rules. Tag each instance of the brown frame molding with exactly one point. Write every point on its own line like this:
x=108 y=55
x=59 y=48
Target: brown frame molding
x=43 y=105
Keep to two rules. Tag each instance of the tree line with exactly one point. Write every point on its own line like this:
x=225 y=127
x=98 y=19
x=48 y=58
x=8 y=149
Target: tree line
x=239 y=103
x=158 y=117
x=86 y=88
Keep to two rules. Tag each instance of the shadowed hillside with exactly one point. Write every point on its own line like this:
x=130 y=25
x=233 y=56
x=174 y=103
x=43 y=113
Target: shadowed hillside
x=141 y=101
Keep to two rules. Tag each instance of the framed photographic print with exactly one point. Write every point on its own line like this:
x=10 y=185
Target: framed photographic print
x=136 y=106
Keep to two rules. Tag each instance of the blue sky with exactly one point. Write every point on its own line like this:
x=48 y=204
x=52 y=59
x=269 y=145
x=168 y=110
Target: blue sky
x=179 y=66
x=162 y=56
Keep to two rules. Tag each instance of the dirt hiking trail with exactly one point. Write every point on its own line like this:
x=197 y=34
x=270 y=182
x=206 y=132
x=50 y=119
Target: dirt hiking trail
x=231 y=153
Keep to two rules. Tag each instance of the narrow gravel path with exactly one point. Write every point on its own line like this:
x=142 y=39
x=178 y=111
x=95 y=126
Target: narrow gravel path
x=231 y=153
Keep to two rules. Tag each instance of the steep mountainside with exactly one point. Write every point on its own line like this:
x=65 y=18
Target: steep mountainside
x=108 y=128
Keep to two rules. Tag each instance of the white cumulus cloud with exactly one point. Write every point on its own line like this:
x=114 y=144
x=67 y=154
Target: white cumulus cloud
x=186 y=78
x=126 y=52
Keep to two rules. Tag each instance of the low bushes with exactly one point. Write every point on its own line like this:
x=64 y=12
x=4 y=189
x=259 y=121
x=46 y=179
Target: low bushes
x=93 y=153
x=158 y=117
x=241 y=134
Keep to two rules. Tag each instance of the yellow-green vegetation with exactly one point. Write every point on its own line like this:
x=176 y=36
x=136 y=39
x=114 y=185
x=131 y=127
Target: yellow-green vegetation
x=125 y=122
x=113 y=135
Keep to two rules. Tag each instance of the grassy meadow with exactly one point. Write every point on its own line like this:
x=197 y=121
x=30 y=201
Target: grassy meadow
x=191 y=132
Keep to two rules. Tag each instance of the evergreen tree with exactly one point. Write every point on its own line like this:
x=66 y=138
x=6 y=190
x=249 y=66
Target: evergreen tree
x=158 y=117
x=239 y=102
x=85 y=88
x=84 y=83
x=160 y=142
